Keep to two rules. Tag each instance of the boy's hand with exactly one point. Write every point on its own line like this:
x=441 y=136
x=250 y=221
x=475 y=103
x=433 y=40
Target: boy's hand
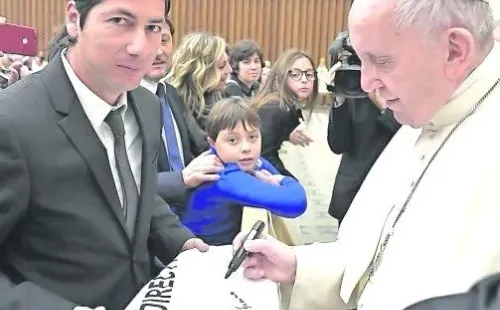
x=266 y=176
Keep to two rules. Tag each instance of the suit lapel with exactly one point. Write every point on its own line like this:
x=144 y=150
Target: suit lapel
x=149 y=153
x=79 y=131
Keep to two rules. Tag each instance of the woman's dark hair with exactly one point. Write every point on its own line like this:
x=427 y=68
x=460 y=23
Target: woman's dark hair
x=63 y=40
x=242 y=50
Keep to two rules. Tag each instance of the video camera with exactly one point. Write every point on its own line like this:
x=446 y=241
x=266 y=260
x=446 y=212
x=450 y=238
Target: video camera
x=347 y=81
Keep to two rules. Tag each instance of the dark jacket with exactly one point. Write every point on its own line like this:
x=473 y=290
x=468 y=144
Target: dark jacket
x=236 y=88
x=485 y=295
x=171 y=185
x=196 y=123
x=360 y=132
x=62 y=232
x=277 y=123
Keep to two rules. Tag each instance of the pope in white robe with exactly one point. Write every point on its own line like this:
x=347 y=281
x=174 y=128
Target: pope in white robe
x=426 y=221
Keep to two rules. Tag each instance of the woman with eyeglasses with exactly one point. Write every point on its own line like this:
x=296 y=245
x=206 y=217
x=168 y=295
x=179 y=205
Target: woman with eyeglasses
x=291 y=84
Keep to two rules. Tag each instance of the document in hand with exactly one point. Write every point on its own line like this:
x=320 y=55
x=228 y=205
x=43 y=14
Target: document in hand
x=195 y=280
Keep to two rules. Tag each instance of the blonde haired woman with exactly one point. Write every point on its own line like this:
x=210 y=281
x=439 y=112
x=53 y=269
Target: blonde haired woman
x=200 y=68
x=291 y=83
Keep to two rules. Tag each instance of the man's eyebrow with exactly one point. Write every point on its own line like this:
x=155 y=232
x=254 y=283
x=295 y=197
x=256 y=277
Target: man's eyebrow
x=129 y=14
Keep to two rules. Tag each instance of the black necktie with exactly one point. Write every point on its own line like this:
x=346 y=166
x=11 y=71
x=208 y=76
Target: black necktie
x=130 y=195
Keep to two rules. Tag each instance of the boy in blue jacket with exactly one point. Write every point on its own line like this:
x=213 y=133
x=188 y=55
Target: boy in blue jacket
x=215 y=209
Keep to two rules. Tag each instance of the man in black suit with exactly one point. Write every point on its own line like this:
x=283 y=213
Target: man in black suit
x=79 y=211
x=179 y=171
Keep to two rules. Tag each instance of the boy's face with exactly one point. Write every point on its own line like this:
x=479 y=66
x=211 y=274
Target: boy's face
x=239 y=146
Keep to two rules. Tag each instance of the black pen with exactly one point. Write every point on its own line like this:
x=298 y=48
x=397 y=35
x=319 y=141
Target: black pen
x=241 y=254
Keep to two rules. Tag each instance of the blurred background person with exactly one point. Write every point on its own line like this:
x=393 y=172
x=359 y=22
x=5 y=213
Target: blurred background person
x=290 y=86
x=265 y=72
x=246 y=61
x=200 y=68
x=178 y=170
x=359 y=126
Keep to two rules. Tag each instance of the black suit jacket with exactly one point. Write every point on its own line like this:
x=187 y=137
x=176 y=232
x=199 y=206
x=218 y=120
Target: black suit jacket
x=359 y=132
x=171 y=183
x=484 y=295
x=62 y=234
x=277 y=123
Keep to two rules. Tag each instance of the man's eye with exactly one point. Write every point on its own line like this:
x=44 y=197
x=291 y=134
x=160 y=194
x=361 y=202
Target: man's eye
x=153 y=28
x=118 y=21
x=382 y=63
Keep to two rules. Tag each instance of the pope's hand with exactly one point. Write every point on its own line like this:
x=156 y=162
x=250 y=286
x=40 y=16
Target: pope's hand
x=270 y=259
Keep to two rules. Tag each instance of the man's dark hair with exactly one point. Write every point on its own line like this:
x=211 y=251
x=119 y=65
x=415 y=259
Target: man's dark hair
x=63 y=40
x=241 y=51
x=228 y=113
x=170 y=25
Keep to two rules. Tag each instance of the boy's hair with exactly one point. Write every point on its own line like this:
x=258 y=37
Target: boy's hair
x=228 y=113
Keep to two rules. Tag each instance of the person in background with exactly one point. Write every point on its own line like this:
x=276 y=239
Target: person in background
x=215 y=209
x=246 y=60
x=178 y=170
x=291 y=84
x=359 y=129
x=40 y=62
x=200 y=68
x=265 y=72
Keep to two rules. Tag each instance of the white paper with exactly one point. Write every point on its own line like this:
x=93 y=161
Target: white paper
x=196 y=281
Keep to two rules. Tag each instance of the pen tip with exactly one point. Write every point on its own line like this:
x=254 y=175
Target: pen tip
x=227 y=274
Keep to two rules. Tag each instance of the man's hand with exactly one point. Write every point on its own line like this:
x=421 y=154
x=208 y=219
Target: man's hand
x=332 y=71
x=202 y=169
x=266 y=176
x=300 y=137
x=377 y=100
x=195 y=243
x=15 y=72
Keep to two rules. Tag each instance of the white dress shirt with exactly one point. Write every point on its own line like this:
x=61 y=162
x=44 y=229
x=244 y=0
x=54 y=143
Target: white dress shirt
x=153 y=87
x=97 y=110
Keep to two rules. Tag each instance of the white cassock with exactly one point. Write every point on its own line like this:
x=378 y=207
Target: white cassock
x=448 y=236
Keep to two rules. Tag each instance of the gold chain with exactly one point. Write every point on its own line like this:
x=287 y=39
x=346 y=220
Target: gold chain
x=376 y=262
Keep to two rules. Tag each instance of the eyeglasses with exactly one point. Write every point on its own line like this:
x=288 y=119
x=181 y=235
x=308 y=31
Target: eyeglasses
x=297 y=74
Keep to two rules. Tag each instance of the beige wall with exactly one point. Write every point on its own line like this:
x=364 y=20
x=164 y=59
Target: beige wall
x=275 y=24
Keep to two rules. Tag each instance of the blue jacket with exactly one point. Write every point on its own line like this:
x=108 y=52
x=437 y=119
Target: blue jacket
x=215 y=208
